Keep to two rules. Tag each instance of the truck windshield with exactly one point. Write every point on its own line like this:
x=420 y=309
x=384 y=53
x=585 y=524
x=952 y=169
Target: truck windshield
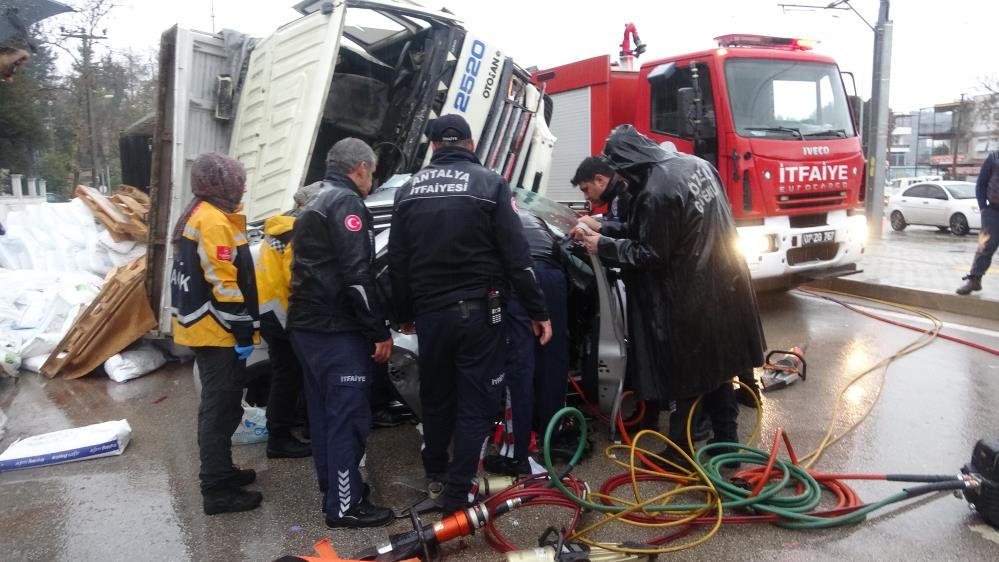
x=785 y=99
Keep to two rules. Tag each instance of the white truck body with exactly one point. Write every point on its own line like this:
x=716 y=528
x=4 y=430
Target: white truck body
x=380 y=70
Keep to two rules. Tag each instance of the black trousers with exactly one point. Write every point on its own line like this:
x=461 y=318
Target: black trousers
x=462 y=371
x=222 y=380
x=551 y=361
x=286 y=386
x=720 y=405
x=988 y=241
x=338 y=370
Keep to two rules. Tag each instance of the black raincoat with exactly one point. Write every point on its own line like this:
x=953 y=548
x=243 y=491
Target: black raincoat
x=692 y=314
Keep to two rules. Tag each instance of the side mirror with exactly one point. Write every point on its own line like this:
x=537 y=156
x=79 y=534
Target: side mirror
x=686 y=110
x=856 y=110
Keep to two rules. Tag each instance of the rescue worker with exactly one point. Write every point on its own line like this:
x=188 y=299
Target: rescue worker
x=691 y=305
x=605 y=192
x=274 y=287
x=987 y=193
x=214 y=298
x=456 y=249
x=338 y=330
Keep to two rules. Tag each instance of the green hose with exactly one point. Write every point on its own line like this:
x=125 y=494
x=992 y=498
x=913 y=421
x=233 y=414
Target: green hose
x=792 y=508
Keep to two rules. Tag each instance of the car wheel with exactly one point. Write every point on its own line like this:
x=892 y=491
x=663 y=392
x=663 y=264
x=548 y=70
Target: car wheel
x=898 y=221
x=959 y=224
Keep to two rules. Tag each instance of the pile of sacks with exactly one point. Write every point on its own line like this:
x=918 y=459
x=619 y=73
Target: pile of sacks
x=53 y=261
x=62 y=237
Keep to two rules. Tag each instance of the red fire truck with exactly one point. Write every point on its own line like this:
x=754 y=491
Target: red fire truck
x=771 y=114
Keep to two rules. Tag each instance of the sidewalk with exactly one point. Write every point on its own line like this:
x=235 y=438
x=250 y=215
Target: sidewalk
x=922 y=267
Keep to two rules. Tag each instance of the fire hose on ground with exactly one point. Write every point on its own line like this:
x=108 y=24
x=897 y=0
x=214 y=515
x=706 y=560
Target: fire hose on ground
x=785 y=492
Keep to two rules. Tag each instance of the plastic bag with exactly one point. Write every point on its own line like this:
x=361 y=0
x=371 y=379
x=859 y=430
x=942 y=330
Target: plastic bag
x=10 y=361
x=252 y=428
x=133 y=363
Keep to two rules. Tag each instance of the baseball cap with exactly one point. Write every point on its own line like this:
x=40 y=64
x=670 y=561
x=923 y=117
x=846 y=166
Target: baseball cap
x=450 y=128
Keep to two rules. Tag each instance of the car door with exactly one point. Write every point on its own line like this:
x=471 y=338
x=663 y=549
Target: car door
x=912 y=204
x=281 y=104
x=936 y=205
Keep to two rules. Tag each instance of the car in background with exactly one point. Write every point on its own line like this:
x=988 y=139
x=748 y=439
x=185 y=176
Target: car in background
x=947 y=205
x=898 y=185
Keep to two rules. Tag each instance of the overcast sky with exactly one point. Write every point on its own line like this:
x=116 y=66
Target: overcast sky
x=940 y=50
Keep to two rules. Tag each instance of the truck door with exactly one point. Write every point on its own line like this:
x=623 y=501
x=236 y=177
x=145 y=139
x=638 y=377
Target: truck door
x=682 y=111
x=280 y=108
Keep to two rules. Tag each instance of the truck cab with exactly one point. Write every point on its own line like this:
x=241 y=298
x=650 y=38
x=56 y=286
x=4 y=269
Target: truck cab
x=769 y=114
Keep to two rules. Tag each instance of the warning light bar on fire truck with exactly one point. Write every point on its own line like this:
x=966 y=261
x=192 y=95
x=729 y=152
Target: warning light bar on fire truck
x=745 y=40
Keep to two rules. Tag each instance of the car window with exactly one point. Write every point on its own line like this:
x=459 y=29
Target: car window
x=915 y=191
x=935 y=192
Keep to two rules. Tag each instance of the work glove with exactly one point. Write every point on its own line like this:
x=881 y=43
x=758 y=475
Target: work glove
x=243 y=351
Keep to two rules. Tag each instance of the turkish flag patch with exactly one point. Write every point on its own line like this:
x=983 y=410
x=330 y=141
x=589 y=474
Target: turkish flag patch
x=352 y=223
x=223 y=253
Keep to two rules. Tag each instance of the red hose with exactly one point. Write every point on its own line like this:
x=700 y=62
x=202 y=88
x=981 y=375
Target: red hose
x=849 y=306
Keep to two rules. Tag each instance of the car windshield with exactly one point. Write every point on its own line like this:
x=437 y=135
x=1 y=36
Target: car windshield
x=786 y=99
x=963 y=190
x=560 y=219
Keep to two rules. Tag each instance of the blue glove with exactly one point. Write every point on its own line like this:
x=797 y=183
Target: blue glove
x=243 y=351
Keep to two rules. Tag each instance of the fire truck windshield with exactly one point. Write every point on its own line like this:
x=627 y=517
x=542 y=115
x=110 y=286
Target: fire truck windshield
x=785 y=99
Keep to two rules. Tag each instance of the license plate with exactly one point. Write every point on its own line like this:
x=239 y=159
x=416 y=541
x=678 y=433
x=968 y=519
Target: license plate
x=809 y=238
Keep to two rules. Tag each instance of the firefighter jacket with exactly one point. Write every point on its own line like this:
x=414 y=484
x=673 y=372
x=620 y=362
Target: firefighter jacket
x=212 y=287
x=455 y=236
x=693 y=318
x=274 y=274
x=332 y=272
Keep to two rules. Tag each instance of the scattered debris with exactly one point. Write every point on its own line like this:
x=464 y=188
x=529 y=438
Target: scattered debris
x=81 y=443
x=122 y=214
x=116 y=318
x=160 y=399
x=134 y=362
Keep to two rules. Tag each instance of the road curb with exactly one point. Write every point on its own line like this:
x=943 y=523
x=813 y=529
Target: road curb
x=971 y=305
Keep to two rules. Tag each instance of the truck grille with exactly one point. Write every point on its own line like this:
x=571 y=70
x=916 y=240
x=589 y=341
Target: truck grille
x=805 y=200
x=817 y=252
x=807 y=221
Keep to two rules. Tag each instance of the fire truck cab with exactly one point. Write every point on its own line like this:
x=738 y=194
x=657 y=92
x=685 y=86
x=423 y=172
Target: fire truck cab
x=771 y=115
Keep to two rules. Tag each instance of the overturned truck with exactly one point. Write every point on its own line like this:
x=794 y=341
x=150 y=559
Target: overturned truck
x=378 y=70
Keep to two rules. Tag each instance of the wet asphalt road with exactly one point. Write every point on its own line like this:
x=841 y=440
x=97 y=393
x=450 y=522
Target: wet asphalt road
x=145 y=504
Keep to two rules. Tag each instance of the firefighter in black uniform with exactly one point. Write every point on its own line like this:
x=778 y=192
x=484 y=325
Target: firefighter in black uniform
x=456 y=248
x=338 y=330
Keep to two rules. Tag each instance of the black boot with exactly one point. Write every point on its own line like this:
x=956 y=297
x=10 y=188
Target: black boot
x=242 y=476
x=230 y=500
x=286 y=447
x=745 y=396
x=972 y=283
x=385 y=418
x=364 y=514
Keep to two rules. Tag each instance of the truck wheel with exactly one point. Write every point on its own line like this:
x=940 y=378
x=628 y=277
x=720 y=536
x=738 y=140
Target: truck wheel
x=898 y=221
x=959 y=224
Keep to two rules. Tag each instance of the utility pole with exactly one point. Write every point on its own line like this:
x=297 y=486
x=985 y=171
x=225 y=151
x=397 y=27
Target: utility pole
x=956 y=139
x=87 y=52
x=878 y=141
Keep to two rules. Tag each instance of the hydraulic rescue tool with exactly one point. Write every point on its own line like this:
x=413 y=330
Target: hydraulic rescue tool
x=788 y=370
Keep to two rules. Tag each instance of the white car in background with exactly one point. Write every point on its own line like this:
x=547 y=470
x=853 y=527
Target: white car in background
x=944 y=204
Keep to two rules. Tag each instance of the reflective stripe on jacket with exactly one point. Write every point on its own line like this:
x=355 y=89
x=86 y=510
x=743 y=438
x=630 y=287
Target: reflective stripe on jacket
x=212 y=285
x=274 y=273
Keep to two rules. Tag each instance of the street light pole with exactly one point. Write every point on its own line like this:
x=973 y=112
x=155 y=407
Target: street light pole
x=956 y=139
x=877 y=144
